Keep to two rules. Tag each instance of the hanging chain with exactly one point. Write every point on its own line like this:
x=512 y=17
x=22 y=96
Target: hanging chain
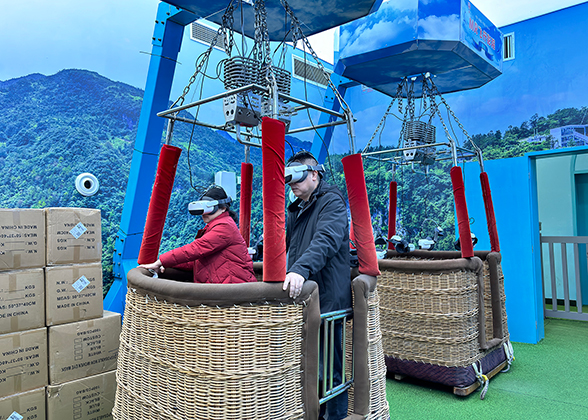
x=227 y=23
x=424 y=94
x=383 y=120
x=435 y=90
x=410 y=100
x=298 y=34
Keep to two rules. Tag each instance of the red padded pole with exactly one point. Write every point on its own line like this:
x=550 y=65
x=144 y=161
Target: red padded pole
x=159 y=203
x=392 y=212
x=273 y=136
x=360 y=215
x=490 y=217
x=245 y=204
x=463 y=220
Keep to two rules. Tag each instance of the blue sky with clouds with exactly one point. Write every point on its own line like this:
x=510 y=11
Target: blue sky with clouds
x=107 y=36
x=113 y=38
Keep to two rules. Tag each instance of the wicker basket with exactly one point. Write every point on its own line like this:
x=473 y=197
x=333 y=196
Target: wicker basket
x=215 y=361
x=370 y=366
x=437 y=307
x=429 y=310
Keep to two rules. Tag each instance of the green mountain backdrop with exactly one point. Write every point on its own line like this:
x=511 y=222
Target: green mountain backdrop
x=52 y=128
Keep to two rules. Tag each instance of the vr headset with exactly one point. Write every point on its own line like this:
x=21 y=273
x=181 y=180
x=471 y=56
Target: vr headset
x=206 y=205
x=297 y=172
x=457 y=243
x=401 y=245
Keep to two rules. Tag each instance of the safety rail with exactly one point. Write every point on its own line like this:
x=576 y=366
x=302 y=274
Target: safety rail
x=328 y=323
x=561 y=266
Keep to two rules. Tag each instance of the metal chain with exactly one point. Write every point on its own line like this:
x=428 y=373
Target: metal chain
x=299 y=34
x=424 y=93
x=262 y=43
x=410 y=100
x=444 y=126
x=381 y=123
x=227 y=19
x=436 y=90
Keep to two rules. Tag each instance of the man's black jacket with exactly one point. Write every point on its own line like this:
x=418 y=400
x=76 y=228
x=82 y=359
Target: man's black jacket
x=317 y=241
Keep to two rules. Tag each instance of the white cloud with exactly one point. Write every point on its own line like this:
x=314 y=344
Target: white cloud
x=440 y=27
x=372 y=38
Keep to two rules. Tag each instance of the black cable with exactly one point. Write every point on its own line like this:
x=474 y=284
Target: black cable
x=195 y=119
x=291 y=148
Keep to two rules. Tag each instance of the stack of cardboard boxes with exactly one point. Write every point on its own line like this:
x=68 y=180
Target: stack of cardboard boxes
x=58 y=348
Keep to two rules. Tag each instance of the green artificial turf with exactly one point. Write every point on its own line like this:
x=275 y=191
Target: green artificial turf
x=546 y=381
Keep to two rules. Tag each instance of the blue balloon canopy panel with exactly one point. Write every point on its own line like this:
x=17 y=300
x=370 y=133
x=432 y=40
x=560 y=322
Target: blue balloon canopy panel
x=451 y=40
x=314 y=16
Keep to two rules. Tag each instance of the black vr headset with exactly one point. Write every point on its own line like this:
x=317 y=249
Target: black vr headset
x=457 y=243
x=297 y=172
x=206 y=205
x=401 y=245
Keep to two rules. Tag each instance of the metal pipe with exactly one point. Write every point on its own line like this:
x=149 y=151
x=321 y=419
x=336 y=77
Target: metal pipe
x=187 y=120
x=247 y=147
x=213 y=98
x=453 y=151
x=169 y=132
x=316 y=127
x=336 y=391
x=332 y=355
x=350 y=129
x=325 y=337
x=244 y=142
x=275 y=110
x=401 y=149
x=337 y=314
x=311 y=105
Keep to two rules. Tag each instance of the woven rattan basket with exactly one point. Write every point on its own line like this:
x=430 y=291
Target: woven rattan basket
x=378 y=404
x=367 y=396
x=429 y=310
x=189 y=353
x=439 y=308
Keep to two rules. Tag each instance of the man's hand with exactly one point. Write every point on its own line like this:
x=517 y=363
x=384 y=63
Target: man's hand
x=295 y=281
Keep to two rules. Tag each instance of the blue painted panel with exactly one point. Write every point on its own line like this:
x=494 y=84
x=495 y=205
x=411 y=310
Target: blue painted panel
x=393 y=24
x=412 y=38
x=481 y=35
x=314 y=16
x=516 y=217
x=439 y=20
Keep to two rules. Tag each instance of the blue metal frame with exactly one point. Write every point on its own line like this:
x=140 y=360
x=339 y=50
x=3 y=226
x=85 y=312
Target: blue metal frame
x=167 y=40
x=323 y=136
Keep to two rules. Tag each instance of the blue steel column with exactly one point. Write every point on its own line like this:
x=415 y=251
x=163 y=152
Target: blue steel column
x=323 y=136
x=167 y=40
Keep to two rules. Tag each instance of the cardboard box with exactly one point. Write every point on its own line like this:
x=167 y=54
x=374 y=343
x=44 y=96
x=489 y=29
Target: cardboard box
x=74 y=235
x=73 y=293
x=90 y=398
x=23 y=361
x=22 y=238
x=22 y=300
x=84 y=348
x=28 y=405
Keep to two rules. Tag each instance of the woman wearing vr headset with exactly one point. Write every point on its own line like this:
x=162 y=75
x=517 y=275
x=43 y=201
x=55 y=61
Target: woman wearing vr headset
x=218 y=254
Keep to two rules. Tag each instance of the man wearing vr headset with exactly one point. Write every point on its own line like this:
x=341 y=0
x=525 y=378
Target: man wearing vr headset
x=317 y=243
x=219 y=253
